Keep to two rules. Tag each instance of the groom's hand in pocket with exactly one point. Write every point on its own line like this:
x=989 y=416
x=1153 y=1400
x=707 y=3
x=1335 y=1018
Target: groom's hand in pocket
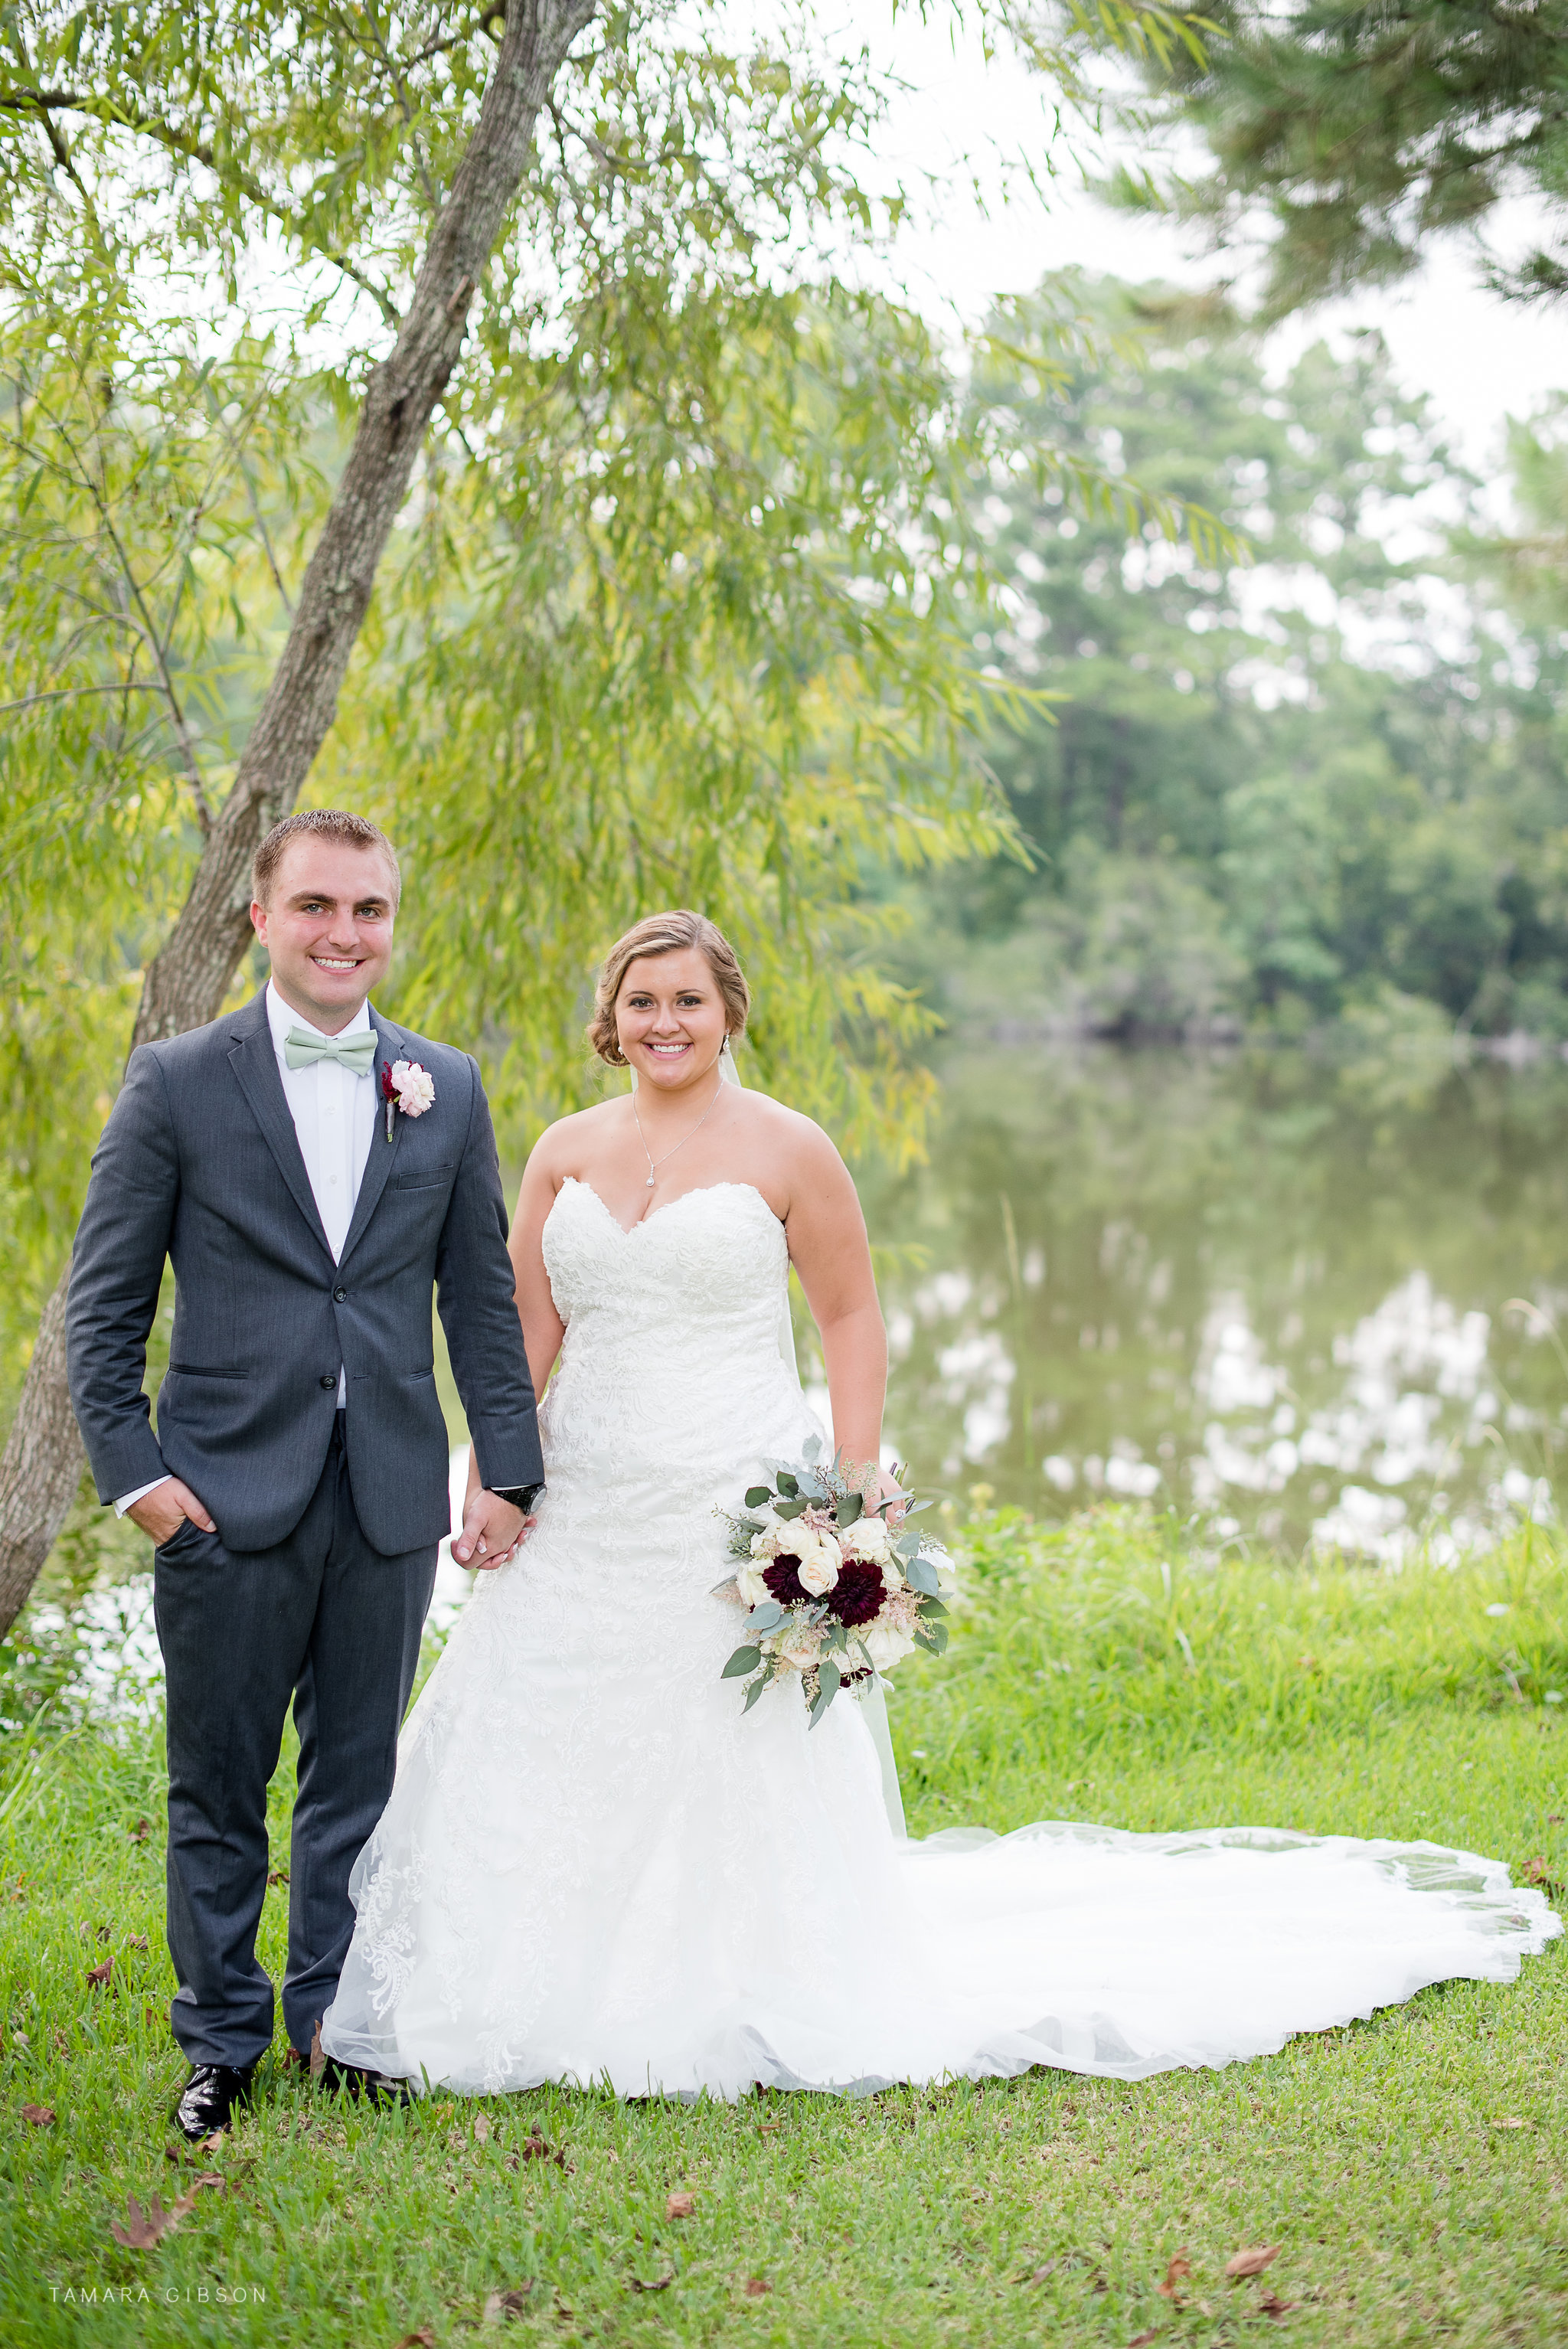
x=164 y=1510
x=491 y=1530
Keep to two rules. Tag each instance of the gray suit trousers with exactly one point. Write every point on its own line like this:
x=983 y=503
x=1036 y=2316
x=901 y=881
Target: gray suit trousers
x=326 y=1620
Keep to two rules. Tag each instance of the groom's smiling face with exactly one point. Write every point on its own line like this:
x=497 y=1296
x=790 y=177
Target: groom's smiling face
x=327 y=926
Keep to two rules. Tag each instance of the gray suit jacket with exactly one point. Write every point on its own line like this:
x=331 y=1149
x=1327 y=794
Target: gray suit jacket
x=200 y=1162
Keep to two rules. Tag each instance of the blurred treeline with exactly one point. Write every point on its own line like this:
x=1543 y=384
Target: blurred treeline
x=1329 y=786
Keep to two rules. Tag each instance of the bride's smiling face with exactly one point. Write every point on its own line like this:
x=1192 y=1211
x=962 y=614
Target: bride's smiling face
x=670 y=1018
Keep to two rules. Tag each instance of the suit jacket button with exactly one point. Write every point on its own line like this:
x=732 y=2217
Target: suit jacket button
x=338 y=1294
x=326 y=1379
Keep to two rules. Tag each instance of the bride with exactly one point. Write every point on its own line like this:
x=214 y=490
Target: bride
x=592 y=1869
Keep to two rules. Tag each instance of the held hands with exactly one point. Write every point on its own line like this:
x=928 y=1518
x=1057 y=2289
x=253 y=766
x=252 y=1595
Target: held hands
x=164 y=1510
x=492 y=1531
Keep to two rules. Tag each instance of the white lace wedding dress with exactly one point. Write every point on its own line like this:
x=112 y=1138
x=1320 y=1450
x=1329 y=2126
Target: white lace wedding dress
x=592 y=1869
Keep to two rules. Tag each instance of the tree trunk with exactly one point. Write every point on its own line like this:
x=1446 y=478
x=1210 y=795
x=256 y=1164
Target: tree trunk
x=187 y=982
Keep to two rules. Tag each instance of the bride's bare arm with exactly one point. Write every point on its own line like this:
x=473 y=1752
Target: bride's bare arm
x=542 y=1327
x=829 y=1249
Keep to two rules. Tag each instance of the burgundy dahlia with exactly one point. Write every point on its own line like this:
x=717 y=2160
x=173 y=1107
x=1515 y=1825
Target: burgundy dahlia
x=858 y=1594
x=782 y=1576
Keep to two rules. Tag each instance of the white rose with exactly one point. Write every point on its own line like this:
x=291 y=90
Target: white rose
x=946 y=1573
x=820 y=1560
x=886 y=1645
x=766 y=1543
x=749 y=1583
x=797 y=1647
x=869 y=1538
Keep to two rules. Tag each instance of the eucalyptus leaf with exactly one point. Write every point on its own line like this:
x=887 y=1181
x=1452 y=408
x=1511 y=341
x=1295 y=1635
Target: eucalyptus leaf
x=907 y=1545
x=744 y=1660
x=920 y=1575
x=758 y=1495
x=850 y=1508
x=812 y=1448
x=766 y=1616
x=752 y=1693
x=787 y=1509
x=932 y=1607
x=828 y=1682
x=787 y=1483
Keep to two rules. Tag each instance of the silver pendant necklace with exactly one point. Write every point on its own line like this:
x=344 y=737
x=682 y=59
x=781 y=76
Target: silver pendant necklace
x=655 y=1163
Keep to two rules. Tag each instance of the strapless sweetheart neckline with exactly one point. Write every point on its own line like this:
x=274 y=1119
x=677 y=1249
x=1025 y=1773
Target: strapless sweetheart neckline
x=697 y=1191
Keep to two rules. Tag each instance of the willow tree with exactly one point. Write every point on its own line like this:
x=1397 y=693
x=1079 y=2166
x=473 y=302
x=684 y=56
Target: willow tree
x=679 y=594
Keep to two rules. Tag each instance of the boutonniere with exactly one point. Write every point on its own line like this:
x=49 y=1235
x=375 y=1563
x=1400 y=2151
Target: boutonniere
x=408 y=1087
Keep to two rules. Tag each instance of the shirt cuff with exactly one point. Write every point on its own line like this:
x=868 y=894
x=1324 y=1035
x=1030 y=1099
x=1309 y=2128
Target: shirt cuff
x=129 y=1500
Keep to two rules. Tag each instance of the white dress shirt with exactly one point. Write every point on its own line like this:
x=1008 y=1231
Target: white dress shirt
x=334 y=1115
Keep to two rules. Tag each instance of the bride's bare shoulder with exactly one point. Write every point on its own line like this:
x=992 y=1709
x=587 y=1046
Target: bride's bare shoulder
x=561 y=1146
x=794 y=1140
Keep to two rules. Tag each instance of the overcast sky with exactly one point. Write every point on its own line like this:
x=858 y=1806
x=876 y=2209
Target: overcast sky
x=1480 y=358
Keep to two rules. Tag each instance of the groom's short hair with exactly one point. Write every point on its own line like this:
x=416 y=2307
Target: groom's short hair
x=320 y=824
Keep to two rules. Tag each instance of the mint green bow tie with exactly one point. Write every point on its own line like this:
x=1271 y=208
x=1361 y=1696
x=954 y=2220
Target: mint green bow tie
x=356 y=1053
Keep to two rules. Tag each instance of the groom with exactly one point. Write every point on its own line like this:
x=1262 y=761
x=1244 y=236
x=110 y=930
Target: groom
x=309 y=1193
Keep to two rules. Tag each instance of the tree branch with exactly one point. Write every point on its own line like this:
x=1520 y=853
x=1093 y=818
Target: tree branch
x=115 y=116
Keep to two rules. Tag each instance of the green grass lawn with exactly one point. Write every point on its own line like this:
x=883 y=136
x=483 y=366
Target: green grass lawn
x=1410 y=2170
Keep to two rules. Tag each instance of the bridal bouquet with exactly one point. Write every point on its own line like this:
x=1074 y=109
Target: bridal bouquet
x=834 y=1593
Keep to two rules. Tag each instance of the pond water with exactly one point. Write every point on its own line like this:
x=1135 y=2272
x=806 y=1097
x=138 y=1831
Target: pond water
x=1276 y=1293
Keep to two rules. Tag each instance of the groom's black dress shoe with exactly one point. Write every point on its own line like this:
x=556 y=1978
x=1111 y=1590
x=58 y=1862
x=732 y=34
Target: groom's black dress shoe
x=212 y=2092
x=383 y=2089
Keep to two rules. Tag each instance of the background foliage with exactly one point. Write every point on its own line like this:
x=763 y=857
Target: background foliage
x=1329 y=786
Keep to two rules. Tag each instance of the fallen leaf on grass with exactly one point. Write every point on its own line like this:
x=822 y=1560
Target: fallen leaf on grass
x=1251 y=2259
x=318 y=2057
x=663 y=2284
x=501 y=2305
x=145 y=2229
x=1038 y=2275
x=1273 y=2305
x=38 y=2116
x=1141 y=2340
x=141 y=1831
x=1176 y=2275
x=136 y=1940
x=99 y=1975
x=106 y=1933
x=536 y=2149
x=1507 y=2123
x=277 y=1876
x=755 y=2286
x=1537 y=1871
x=423 y=2339
x=680 y=2206
x=483 y=2130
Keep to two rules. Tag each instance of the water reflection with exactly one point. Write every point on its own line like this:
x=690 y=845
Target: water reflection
x=1267 y=1289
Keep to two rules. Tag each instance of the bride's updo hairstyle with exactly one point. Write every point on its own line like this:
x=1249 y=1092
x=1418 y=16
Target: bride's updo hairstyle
x=661 y=934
